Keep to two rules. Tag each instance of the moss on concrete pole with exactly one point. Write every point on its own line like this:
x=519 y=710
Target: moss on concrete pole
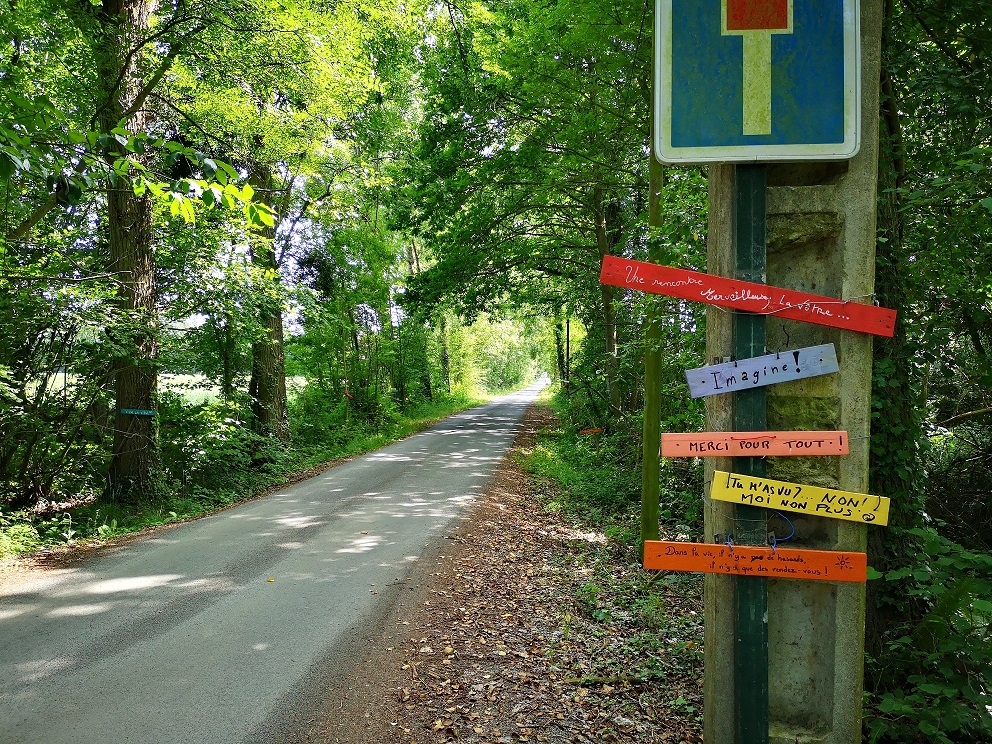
x=821 y=240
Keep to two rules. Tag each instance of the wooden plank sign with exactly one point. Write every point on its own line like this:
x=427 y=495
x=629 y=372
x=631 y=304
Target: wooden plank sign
x=785 y=366
x=749 y=296
x=793 y=497
x=780 y=563
x=755 y=444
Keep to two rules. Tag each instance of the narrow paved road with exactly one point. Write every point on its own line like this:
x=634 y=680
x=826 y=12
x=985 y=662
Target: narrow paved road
x=225 y=629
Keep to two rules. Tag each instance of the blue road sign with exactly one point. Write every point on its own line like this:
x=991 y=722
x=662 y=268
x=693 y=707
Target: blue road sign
x=757 y=80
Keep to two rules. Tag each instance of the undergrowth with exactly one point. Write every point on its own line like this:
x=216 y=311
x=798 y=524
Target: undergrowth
x=651 y=625
x=599 y=475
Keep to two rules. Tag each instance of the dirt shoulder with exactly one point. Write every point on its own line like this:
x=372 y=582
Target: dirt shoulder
x=529 y=630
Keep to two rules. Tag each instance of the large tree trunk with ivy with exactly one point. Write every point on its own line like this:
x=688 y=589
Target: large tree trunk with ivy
x=895 y=467
x=267 y=386
x=131 y=259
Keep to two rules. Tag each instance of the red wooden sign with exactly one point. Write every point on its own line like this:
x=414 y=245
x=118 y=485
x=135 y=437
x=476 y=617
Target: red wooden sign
x=755 y=444
x=749 y=296
x=780 y=563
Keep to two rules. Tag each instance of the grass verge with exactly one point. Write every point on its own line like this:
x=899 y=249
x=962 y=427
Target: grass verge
x=647 y=627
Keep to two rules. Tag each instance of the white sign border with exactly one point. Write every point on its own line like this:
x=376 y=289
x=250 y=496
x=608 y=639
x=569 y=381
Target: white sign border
x=666 y=153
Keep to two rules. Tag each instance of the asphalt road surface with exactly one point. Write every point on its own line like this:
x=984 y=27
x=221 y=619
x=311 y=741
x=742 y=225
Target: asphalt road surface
x=228 y=629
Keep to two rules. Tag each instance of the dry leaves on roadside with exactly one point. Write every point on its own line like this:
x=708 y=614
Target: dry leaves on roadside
x=519 y=641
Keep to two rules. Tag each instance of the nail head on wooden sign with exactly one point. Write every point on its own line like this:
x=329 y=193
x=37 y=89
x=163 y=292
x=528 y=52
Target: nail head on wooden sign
x=764 y=562
x=749 y=296
x=755 y=444
x=802 y=499
x=783 y=366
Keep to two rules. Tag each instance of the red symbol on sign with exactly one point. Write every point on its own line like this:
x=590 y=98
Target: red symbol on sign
x=758 y=15
x=756 y=21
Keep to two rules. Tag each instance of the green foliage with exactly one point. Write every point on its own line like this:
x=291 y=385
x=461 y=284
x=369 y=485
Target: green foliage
x=212 y=446
x=600 y=483
x=17 y=536
x=928 y=665
x=933 y=679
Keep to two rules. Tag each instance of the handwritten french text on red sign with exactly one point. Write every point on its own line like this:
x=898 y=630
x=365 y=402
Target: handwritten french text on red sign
x=749 y=296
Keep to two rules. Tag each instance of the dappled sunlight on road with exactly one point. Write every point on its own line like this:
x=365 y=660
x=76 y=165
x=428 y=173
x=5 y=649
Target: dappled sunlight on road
x=81 y=610
x=362 y=544
x=299 y=521
x=251 y=594
x=34 y=670
x=127 y=584
x=386 y=457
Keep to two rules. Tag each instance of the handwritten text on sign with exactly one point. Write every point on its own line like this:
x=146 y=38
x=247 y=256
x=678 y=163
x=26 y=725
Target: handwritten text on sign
x=793 y=497
x=749 y=296
x=755 y=444
x=763 y=370
x=782 y=563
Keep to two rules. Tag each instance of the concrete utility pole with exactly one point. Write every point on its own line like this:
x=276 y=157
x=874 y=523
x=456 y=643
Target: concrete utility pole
x=820 y=239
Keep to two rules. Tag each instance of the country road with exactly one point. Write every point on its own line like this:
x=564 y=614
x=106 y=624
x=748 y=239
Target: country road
x=228 y=629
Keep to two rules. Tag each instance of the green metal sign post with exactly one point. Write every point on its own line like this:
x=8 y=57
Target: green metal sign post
x=751 y=592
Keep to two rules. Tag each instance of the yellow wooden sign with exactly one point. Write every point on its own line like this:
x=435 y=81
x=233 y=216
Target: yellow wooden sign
x=793 y=497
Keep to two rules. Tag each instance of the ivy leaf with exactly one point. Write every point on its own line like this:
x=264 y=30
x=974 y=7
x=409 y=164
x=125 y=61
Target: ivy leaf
x=6 y=167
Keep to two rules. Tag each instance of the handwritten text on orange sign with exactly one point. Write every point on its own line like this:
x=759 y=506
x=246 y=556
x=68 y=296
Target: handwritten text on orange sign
x=780 y=563
x=755 y=444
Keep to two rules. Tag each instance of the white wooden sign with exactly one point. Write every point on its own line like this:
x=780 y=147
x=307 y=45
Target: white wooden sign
x=783 y=366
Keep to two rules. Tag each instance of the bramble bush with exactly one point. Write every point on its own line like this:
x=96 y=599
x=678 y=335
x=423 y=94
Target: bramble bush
x=936 y=674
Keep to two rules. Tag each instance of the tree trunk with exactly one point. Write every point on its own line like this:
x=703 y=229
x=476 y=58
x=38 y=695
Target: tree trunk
x=560 y=350
x=609 y=317
x=895 y=468
x=129 y=223
x=224 y=339
x=267 y=387
x=445 y=355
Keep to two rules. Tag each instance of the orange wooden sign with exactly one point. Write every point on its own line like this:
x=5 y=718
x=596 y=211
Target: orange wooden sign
x=755 y=444
x=780 y=563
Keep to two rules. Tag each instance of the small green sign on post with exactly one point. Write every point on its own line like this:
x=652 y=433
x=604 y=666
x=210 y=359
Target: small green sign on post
x=136 y=411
